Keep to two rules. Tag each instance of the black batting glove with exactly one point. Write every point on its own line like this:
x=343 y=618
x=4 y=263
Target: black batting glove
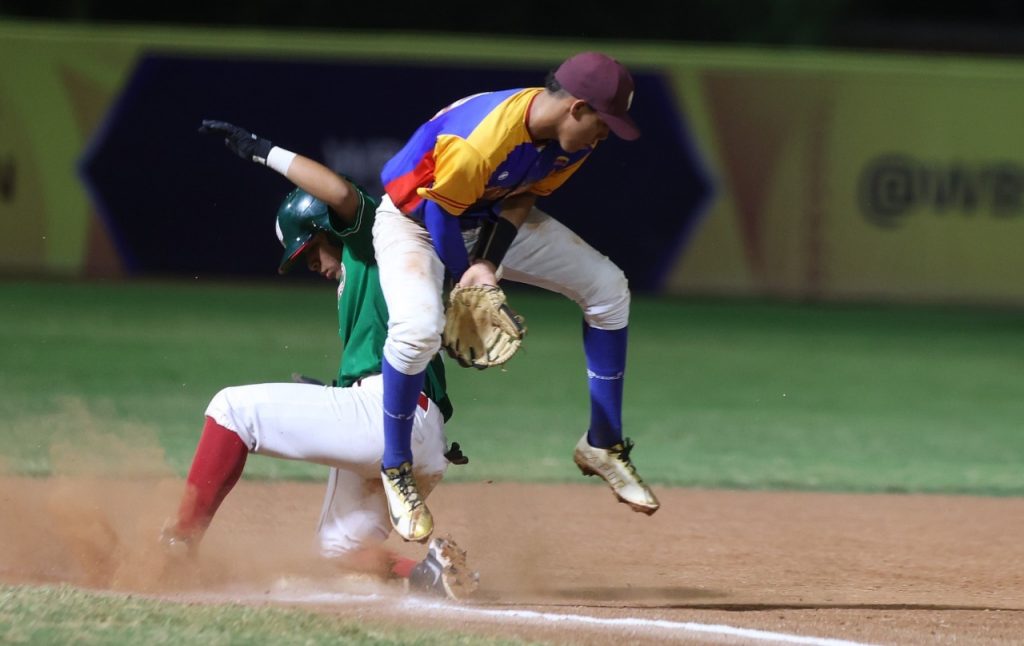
x=239 y=140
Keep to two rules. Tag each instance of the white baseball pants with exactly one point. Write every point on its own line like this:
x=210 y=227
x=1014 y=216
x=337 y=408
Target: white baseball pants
x=341 y=428
x=545 y=254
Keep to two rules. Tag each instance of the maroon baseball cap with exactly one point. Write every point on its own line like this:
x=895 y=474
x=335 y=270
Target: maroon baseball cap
x=605 y=84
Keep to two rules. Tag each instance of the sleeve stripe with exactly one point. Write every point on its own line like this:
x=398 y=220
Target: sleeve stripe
x=452 y=206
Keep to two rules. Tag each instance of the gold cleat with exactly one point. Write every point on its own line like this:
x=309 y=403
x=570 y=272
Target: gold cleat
x=409 y=515
x=615 y=467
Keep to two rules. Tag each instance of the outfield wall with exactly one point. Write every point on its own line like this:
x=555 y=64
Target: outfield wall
x=820 y=175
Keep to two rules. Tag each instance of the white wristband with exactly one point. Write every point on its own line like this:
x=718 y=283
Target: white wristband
x=280 y=159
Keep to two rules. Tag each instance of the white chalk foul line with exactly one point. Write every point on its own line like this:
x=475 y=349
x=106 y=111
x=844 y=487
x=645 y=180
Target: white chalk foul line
x=434 y=607
x=633 y=622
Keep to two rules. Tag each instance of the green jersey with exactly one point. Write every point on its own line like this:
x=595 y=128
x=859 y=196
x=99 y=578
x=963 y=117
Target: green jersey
x=363 y=313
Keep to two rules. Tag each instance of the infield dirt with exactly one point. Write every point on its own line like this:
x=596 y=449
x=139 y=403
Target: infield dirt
x=887 y=569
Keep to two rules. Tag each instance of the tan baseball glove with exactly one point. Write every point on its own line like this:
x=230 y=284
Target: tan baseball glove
x=481 y=330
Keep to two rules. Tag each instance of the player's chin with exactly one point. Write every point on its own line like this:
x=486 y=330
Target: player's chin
x=575 y=146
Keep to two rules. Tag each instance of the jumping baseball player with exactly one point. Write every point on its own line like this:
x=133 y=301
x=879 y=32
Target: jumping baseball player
x=326 y=223
x=460 y=198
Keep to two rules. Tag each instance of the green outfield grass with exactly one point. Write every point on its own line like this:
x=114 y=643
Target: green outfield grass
x=718 y=393
x=65 y=615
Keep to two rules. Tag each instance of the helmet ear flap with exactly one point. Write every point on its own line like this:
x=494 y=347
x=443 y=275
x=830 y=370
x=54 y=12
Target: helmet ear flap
x=299 y=218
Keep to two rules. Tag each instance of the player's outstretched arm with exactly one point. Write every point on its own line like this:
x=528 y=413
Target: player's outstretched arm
x=324 y=184
x=309 y=175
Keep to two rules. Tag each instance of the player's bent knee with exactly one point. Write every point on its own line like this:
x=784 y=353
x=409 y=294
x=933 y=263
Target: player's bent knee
x=409 y=348
x=608 y=308
x=222 y=407
x=229 y=409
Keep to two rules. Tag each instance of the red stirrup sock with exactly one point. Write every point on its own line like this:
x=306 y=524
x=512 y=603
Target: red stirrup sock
x=216 y=467
x=402 y=567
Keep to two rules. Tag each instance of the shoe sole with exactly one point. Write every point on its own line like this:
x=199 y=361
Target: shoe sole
x=586 y=470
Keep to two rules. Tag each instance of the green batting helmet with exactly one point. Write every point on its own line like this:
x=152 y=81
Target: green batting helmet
x=299 y=218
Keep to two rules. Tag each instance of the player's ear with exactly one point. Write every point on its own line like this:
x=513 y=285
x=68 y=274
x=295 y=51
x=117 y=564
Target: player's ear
x=578 y=108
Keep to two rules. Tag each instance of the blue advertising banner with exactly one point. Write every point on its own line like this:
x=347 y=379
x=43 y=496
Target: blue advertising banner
x=178 y=202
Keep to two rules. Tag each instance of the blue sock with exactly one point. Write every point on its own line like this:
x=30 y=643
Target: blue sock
x=606 y=366
x=401 y=392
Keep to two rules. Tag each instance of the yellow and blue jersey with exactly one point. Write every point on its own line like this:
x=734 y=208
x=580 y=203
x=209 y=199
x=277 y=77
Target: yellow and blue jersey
x=474 y=153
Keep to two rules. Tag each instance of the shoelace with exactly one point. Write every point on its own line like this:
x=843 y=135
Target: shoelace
x=409 y=492
x=627 y=446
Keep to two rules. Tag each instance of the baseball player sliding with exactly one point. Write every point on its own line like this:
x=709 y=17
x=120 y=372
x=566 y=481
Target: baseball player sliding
x=460 y=197
x=326 y=223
